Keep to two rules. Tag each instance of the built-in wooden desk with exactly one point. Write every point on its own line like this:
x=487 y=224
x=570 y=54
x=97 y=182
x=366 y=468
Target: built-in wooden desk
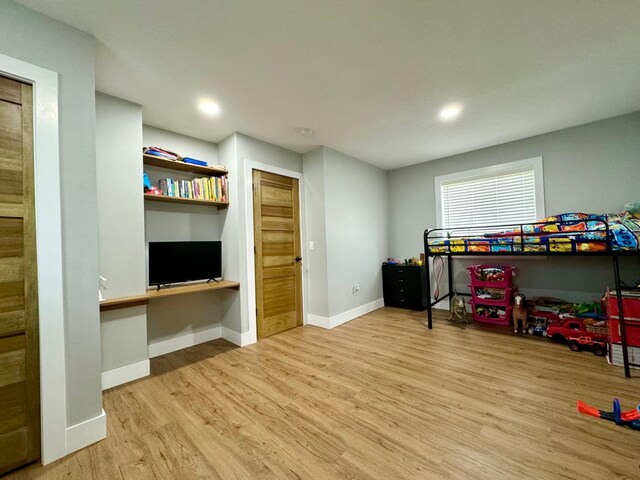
x=143 y=299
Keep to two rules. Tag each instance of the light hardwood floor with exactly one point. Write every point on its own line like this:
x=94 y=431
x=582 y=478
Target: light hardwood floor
x=380 y=397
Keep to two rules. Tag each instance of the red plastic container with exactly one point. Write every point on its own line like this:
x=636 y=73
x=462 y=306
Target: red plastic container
x=500 y=320
x=505 y=300
x=495 y=276
x=631 y=305
x=631 y=329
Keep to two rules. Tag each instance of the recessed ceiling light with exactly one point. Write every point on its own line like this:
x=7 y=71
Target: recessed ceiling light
x=209 y=107
x=449 y=112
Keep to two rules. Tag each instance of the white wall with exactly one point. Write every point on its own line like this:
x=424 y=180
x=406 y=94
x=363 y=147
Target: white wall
x=39 y=40
x=592 y=168
x=120 y=228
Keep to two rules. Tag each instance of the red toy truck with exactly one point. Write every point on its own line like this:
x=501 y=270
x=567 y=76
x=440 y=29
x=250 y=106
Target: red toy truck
x=579 y=336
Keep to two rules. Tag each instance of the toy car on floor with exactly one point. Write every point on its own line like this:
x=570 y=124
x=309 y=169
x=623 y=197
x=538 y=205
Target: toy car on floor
x=587 y=343
x=537 y=326
x=580 y=335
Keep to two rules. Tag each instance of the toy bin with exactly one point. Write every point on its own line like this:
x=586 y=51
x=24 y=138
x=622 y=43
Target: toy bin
x=495 y=276
x=631 y=305
x=498 y=297
x=481 y=313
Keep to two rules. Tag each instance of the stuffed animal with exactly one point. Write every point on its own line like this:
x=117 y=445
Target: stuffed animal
x=633 y=209
x=458 y=310
x=520 y=314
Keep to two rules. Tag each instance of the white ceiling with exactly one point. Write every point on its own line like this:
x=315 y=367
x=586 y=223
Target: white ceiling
x=368 y=76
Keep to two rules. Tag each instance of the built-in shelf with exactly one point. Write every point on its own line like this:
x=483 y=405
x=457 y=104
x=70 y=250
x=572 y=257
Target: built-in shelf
x=154 y=161
x=192 y=201
x=151 y=294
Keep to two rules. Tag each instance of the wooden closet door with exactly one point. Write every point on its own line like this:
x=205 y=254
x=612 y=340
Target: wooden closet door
x=276 y=215
x=19 y=360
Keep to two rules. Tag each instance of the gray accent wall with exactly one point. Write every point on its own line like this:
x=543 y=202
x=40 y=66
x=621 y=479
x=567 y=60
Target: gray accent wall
x=316 y=232
x=356 y=203
x=34 y=38
x=120 y=228
x=347 y=218
x=592 y=168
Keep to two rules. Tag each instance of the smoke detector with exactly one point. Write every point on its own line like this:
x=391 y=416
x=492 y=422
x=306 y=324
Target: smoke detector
x=305 y=132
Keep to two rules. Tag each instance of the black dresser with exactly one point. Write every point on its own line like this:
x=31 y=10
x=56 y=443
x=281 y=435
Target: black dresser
x=405 y=286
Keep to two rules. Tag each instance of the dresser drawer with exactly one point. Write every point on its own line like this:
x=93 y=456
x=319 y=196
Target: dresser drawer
x=404 y=286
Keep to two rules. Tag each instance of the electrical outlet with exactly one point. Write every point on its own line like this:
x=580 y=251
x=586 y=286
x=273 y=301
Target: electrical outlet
x=355 y=290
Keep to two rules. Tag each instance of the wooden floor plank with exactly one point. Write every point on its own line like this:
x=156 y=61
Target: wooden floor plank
x=379 y=397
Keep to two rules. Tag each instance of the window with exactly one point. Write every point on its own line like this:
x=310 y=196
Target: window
x=503 y=194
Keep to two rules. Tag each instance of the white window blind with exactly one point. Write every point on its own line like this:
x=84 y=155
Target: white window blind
x=507 y=197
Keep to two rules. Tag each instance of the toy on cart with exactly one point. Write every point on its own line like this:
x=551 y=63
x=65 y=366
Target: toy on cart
x=580 y=335
x=630 y=418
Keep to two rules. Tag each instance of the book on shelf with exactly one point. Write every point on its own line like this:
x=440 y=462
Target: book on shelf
x=213 y=189
x=161 y=153
x=195 y=161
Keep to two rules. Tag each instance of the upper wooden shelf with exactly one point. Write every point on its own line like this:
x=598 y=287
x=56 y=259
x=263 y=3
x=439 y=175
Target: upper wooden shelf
x=191 y=201
x=153 y=293
x=154 y=161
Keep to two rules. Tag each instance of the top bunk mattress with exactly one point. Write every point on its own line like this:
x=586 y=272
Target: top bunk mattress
x=564 y=233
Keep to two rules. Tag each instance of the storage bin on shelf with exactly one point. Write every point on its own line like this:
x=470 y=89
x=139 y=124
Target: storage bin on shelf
x=495 y=276
x=498 y=297
x=491 y=314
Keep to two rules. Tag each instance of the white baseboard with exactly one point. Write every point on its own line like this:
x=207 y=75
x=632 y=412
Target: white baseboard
x=239 y=339
x=184 y=341
x=85 y=433
x=344 y=317
x=318 y=321
x=127 y=373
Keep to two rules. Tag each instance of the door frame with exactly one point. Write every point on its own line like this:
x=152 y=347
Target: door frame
x=46 y=158
x=249 y=167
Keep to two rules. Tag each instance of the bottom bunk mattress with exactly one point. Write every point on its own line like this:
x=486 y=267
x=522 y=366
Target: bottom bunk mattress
x=564 y=233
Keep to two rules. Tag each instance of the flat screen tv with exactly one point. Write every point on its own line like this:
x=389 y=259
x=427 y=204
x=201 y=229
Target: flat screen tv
x=178 y=262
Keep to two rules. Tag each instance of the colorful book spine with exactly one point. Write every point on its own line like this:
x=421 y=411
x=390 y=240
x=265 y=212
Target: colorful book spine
x=213 y=189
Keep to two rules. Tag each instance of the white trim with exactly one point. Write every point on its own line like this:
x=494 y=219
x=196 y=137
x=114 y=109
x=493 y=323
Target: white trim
x=239 y=339
x=85 y=433
x=49 y=250
x=345 y=317
x=535 y=163
x=163 y=347
x=128 y=373
x=251 y=269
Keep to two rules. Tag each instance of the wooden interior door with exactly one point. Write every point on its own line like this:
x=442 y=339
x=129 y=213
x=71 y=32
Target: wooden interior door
x=19 y=359
x=276 y=215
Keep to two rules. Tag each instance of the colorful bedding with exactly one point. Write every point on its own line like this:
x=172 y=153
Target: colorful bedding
x=564 y=233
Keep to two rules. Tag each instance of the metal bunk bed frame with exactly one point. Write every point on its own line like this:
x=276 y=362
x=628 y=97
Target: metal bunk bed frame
x=518 y=244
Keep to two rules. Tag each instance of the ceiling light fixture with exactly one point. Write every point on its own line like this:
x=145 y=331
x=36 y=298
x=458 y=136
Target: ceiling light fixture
x=209 y=107
x=305 y=132
x=450 y=112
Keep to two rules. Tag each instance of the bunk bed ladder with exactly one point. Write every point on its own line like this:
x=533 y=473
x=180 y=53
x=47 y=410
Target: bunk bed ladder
x=623 y=333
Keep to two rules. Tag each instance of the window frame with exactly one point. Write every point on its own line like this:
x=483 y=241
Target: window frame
x=534 y=163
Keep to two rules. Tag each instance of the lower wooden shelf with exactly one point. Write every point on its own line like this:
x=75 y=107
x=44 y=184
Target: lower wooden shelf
x=190 y=201
x=152 y=293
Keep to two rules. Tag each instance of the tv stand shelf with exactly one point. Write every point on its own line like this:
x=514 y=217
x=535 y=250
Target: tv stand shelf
x=153 y=293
